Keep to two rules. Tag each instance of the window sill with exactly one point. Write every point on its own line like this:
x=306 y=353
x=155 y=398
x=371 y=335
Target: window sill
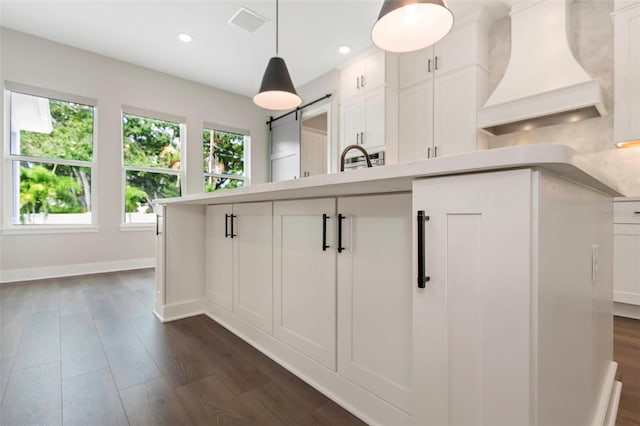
x=137 y=227
x=49 y=229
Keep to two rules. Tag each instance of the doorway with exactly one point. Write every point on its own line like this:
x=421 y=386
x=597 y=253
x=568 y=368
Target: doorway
x=314 y=142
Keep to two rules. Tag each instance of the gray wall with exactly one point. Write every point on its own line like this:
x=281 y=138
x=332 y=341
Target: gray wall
x=591 y=39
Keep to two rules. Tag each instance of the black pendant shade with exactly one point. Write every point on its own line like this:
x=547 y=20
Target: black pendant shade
x=408 y=25
x=277 y=91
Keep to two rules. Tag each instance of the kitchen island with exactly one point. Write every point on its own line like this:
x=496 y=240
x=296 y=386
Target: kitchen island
x=470 y=289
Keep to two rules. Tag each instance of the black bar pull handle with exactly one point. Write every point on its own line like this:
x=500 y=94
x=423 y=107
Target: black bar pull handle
x=324 y=232
x=340 y=218
x=232 y=216
x=422 y=278
x=428 y=65
x=226 y=225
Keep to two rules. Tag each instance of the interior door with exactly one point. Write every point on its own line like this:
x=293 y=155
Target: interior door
x=285 y=148
x=304 y=269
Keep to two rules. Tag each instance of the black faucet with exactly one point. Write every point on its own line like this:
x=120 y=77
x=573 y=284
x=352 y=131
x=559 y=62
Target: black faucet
x=349 y=148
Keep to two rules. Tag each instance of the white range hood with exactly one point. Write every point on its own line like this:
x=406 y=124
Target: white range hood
x=543 y=84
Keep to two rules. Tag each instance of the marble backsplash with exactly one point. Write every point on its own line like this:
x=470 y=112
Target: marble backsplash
x=591 y=39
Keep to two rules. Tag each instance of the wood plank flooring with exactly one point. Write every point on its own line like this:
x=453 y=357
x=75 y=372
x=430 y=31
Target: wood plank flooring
x=88 y=350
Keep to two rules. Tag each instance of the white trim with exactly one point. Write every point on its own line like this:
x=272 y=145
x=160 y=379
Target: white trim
x=52 y=160
x=208 y=125
x=626 y=310
x=181 y=310
x=49 y=94
x=148 y=169
x=614 y=403
x=153 y=115
x=137 y=227
x=28 y=274
x=626 y=297
x=606 y=394
x=48 y=229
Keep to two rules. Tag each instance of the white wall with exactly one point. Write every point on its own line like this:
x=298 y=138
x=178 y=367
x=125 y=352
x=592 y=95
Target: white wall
x=41 y=63
x=591 y=39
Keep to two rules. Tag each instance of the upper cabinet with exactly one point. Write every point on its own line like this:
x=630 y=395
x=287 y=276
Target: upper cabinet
x=441 y=89
x=626 y=119
x=369 y=103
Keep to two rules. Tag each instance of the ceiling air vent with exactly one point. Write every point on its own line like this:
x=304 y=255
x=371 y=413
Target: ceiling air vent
x=247 y=20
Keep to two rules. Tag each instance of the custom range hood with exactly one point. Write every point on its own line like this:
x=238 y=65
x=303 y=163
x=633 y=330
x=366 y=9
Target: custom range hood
x=543 y=84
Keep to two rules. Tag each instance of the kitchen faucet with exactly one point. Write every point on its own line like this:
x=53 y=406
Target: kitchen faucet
x=349 y=148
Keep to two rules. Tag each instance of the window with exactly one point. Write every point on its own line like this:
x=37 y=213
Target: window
x=51 y=156
x=224 y=159
x=152 y=169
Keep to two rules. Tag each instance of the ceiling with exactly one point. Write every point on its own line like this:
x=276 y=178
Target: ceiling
x=145 y=33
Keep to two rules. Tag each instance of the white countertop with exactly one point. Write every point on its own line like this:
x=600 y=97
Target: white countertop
x=560 y=159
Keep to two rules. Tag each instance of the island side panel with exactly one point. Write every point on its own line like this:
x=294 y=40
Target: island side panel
x=184 y=258
x=574 y=315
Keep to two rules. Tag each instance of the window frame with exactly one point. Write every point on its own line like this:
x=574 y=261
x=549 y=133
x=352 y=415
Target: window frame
x=11 y=228
x=153 y=115
x=245 y=177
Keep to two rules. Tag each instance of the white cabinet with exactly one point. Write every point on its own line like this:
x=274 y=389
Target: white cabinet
x=441 y=88
x=374 y=295
x=252 y=275
x=626 y=252
x=510 y=302
x=161 y=254
x=304 y=262
x=219 y=265
x=626 y=119
x=369 y=103
x=238 y=260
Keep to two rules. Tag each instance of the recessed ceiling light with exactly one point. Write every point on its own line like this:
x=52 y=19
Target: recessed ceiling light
x=344 y=49
x=185 y=38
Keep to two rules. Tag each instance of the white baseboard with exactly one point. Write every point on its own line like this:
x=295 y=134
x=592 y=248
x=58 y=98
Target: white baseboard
x=182 y=310
x=57 y=271
x=607 y=397
x=626 y=310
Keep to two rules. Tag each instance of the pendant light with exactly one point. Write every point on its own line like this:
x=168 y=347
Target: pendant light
x=408 y=25
x=277 y=91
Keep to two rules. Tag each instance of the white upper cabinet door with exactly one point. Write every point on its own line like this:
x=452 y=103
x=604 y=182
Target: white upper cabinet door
x=219 y=256
x=477 y=255
x=373 y=131
x=253 y=279
x=351 y=123
x=374 y=296
x=626 y=119
x=415 y=67
x=457 y=50
x=374 y=71
x=415 y=122
x=454 y=126
x=350 y=77
x=304 y=267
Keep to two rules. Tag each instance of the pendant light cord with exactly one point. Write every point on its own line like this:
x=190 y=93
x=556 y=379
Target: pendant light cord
x=276 y=27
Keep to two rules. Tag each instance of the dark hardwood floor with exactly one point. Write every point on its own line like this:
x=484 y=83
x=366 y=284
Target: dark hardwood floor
x=88 y=350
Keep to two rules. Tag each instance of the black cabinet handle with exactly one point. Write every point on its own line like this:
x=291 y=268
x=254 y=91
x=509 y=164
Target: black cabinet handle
x=232 y=216
x=340 y=218
x=324 y=232
x=436 y=63
x=422 y=278
x=636 y=212
x=435 y=151
x=226 y=226
x=429 y=65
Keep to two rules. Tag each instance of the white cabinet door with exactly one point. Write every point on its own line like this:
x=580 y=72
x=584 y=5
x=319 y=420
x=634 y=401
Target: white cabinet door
x=350 y=80
x=627 y=69
x=457 y=50
x=373 y=117
x=304 y=267
x=415 y=122
x=454 y=126
x=415 y=67
x=252 y=250
x=219 y=256
x=351 y=123
x=161 y=254
x=626 y=263
x=477 y=255
x=374 y=71
x=374 y=296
